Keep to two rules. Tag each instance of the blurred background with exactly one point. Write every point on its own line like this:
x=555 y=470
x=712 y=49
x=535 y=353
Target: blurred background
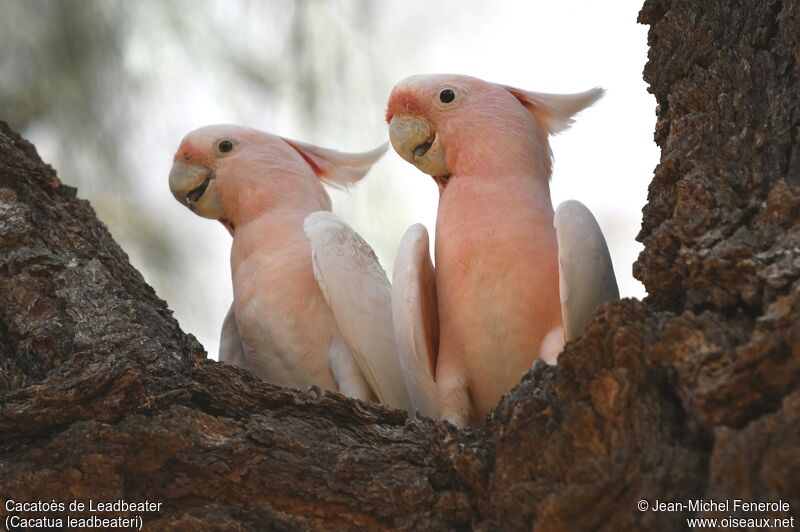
x=106 y=89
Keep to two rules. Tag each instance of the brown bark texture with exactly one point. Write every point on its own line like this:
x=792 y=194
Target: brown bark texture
x=693 y=393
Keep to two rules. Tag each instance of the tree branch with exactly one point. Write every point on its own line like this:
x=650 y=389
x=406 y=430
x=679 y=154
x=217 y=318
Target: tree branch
x=691 y=394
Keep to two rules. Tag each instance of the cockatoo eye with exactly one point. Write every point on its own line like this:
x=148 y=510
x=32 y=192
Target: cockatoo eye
x=447 y=96
x=225 y=146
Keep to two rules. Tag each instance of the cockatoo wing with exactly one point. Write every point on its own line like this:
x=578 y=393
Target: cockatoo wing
x=586 y=275
x=358 y=292
x=230 y=344
x=416 y=319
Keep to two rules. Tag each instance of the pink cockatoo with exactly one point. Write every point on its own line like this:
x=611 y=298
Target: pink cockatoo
x=311 y=303
x=513 y=280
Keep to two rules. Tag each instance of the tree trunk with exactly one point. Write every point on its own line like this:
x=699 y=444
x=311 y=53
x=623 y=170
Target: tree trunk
x=690 y=394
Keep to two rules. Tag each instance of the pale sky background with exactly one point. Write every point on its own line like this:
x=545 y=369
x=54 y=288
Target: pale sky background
x=605 y=160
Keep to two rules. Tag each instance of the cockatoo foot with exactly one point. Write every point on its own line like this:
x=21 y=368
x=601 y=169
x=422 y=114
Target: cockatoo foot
x=456 y=420
x=316 y=391
x=537 y=364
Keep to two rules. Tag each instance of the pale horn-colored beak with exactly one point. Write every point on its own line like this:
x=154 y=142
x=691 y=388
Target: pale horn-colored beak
x=193 y=186
x=417 y=141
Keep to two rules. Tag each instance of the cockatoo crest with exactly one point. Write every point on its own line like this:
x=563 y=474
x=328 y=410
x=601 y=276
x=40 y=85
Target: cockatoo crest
x=555 y=111
x=336 y=168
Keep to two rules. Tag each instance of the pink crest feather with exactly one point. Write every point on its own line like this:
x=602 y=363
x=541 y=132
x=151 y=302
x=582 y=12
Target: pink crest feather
x=336 y=168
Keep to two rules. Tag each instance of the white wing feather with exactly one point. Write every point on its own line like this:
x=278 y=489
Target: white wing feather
x=416 y=320
x=358 y=292
x=586 y=275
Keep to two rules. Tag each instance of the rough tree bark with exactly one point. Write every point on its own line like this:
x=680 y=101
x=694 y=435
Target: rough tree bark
x=691 y=394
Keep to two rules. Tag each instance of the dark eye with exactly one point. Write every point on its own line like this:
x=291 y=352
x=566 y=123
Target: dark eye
x=225 y=146
x=447 y=96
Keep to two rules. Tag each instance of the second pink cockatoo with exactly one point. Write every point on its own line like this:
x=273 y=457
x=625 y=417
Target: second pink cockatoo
x=513 y=280
x=311 y=303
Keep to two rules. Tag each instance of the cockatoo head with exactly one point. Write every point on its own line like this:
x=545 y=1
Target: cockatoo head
x=449 y=124
x=233 y=173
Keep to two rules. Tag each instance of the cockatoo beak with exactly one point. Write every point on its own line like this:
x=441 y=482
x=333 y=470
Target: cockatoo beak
x=193 y=186
x=417 y=141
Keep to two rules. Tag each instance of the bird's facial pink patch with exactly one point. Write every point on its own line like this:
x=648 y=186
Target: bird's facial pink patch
x=402 y=103
x=187 y=152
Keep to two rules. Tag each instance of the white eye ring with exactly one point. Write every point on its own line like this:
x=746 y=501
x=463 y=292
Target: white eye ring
x=447 y=96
